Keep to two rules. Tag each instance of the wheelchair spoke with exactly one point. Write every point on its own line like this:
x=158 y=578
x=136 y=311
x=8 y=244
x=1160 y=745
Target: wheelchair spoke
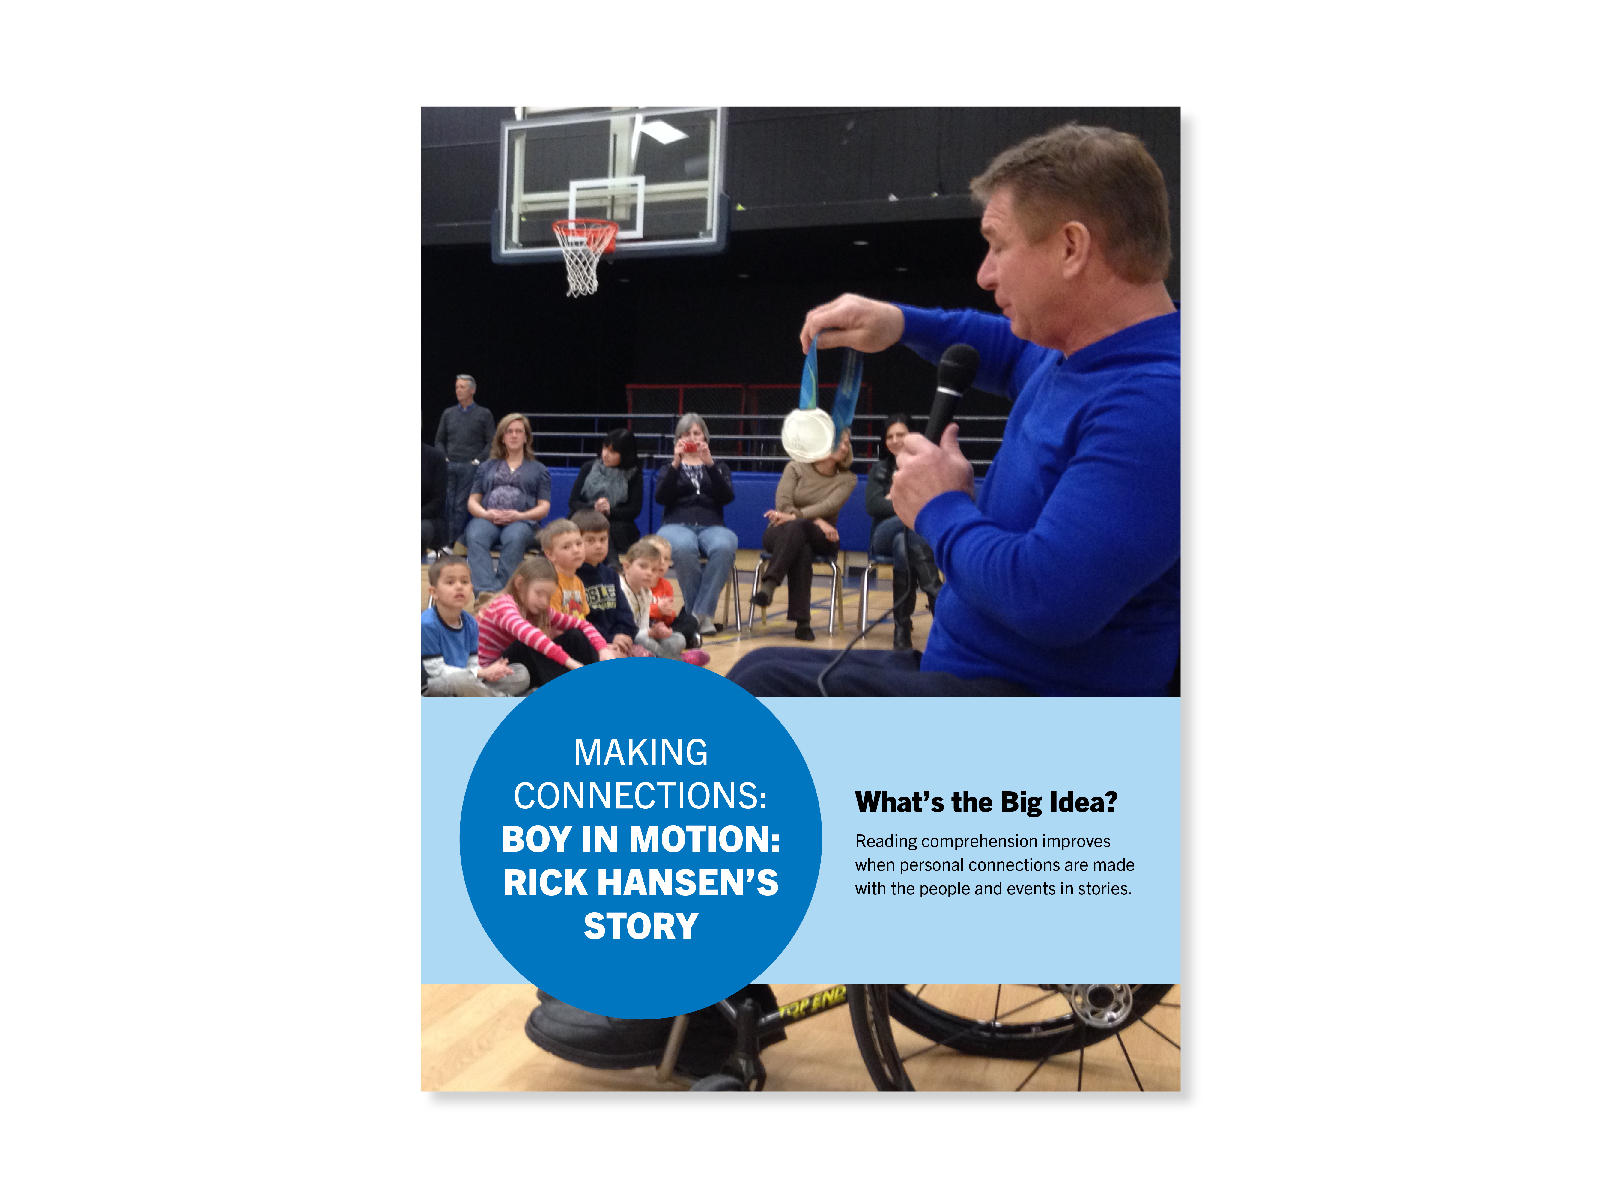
x=906 y=1057
x=1031 y=1073
x=1130 y=1062
x=1159 y=1032
x=1012 y=1012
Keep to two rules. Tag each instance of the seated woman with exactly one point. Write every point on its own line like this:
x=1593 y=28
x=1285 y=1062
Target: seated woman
x=435 y=487
x=613 y=486
x=892 y=539
x=800 y=524
x=510 y=496
x=693 y=490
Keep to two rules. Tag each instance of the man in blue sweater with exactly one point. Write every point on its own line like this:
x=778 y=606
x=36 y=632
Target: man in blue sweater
x=1062 y=576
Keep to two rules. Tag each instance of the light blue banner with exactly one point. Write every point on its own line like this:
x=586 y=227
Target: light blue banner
x=1118 y=754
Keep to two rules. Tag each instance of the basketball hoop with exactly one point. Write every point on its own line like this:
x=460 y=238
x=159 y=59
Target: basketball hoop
x=582 y=243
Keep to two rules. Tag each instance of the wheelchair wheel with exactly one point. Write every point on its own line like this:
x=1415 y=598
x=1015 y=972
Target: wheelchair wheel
x=1054 y=1036
x=717 y=1082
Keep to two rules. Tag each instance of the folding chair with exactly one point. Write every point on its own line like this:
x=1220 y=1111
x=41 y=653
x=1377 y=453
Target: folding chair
x=829 y=560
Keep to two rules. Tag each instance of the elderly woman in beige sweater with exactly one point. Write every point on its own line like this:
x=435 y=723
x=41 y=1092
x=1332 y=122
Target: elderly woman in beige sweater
x=800 y=524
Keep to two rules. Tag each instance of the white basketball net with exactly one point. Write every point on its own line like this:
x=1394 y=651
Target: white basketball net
x=582 y=243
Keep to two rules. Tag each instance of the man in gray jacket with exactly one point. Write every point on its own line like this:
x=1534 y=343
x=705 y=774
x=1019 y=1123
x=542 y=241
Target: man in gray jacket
x=465 y=432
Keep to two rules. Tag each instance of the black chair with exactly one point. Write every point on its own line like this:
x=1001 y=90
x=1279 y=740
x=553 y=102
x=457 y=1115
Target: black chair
x=829 y=560
x=869 y=572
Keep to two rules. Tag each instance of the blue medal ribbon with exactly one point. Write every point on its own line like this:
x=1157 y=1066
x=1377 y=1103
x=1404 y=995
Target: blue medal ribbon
x=850 y=383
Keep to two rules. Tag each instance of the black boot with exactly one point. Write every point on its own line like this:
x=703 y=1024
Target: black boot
x=603 y=1043
x=905 y=601
x=920 y=557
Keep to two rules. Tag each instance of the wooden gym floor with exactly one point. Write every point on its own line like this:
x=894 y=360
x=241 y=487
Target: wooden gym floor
x=472 y=1034
x=472 y=1040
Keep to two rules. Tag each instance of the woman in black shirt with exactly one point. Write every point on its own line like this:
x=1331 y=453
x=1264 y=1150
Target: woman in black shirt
x=612 y=485
x=891 y=538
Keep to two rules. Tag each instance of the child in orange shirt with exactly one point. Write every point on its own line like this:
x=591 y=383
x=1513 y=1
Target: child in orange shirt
x=563 y=544
x=662 y=606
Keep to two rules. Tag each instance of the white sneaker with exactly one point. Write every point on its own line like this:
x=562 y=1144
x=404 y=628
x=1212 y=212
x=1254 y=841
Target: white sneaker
x=707 y=624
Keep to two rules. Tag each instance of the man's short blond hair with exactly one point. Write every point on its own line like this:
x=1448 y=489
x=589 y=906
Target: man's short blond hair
x=1106 y=179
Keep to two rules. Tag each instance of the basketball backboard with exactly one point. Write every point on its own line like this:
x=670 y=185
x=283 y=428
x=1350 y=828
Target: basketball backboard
x=656 y=172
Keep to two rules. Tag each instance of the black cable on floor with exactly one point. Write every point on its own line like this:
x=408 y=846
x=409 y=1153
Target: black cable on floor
x=822 y=675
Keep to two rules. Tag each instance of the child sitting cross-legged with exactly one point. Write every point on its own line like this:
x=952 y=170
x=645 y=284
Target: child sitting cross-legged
x=450 y=641
x=608 y=612
x=522 y=623
x=642 y=569
x=662 y=605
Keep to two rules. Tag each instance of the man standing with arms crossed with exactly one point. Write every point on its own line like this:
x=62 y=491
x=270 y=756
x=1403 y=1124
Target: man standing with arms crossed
x=465 y=432
x=1062 y=578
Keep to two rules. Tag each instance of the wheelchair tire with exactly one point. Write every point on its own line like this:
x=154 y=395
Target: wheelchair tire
x=875 y=1008
x=717 y=1082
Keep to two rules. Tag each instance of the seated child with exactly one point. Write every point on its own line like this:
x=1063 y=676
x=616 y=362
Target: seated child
x=563 y=544
x=523 y=623
x=450 y=641
x=642 y=568
x=662 y=607
x=610 y=615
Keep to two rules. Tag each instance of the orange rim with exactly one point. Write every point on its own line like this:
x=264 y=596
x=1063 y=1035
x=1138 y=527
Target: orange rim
x=600 y=235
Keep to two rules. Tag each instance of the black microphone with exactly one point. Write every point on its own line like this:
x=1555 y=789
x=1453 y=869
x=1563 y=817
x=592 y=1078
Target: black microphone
x=957 y=366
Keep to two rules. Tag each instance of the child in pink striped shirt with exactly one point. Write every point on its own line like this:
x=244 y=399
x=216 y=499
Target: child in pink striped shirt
x=521 y=625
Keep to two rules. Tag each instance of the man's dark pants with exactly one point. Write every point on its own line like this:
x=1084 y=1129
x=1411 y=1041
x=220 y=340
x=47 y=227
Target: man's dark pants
x=874 y=672
x=458 y=486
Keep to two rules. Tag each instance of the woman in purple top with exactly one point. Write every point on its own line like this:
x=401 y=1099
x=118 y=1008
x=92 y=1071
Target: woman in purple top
x=510 y=496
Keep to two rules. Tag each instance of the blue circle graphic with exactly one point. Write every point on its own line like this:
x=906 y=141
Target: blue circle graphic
x=640 y=838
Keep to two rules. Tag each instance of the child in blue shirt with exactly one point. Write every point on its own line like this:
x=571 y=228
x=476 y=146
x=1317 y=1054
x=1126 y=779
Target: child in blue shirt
x=450 y=641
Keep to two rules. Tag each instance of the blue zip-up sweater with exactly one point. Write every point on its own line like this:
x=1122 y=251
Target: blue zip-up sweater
x=1064 y=575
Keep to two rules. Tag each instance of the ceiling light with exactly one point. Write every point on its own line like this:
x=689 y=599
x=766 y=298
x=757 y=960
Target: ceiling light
x=858 y=243
x=662 y=132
